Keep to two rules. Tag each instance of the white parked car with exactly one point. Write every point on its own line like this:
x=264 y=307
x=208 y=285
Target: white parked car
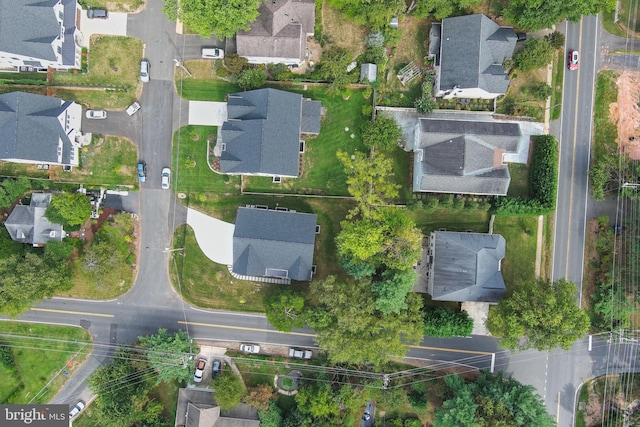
x=197 y=377
x=76 y=409
x=131 y=109
x=250 y=348
x=96 y=114
x=166 y=178
x=144 y=71
x=212 y=53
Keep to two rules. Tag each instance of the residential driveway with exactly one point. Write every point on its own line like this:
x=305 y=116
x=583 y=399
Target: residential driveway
x=117 y=123
x=214 y=237
x=114 y=25
x=207 y=113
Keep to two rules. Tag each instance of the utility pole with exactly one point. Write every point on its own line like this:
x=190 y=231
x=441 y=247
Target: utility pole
x=179 y=64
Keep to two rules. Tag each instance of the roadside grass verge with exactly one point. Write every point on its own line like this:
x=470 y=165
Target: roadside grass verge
x=620 y=29
x=556 y=85
x=107 y=160
x=321 y=169
x=519 y=186
x=114 y=5
x=40 y=353
x=605 y=132
x=477 y=221
x=195 y=176
x=205 y=89
x=113 y=61
x=520 y=233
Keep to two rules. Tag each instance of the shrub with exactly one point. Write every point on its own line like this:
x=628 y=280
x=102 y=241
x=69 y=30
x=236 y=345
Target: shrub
x=541 y=90
x=374 y=39
x=543 y=170
x=392 y=36
x=430 y=203
x=555 y=39
x=278 y=71
x=536 y=54
x=457 y=203
x=446 y=323
x=6 y=356
x=252 y=78
x=367 y=110
x=234 y=63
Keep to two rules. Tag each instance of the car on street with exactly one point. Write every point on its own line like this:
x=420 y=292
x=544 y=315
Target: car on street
x=142 y=171
x=131 y=109
x=299 y=353
x=96 y=114
x=573 y=59
x=212 y=53
x=250 y=348
x=76 y=409
x=217 y=366
x=97 y=14
x=197 y=377
x=166 y=178
x=144 y=71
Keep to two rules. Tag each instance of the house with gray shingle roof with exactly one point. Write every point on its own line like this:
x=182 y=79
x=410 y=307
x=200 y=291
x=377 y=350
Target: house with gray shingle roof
x=197 y=408
x=262 y=133
x=28 y=224
x=279 y=35
x=39 y=129
x=469 y=52
x=37 y=34
x=465 y=267
x=274 y=243
x=452 y=155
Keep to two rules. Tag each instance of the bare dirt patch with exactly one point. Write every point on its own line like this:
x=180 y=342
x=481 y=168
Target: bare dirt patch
x=338 y=31
x=626 y=113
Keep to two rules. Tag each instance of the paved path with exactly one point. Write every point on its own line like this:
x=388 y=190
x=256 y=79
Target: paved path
x=214 y=237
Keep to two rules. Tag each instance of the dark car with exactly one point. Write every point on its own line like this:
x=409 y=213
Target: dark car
x=142 y=171
x=217 y=366
x=97 y=14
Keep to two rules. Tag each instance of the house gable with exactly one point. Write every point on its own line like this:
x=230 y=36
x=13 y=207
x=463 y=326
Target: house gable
x=28 y=224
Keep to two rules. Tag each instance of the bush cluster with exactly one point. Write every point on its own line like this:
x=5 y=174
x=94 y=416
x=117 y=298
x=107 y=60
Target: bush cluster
x=446 y=323
x=6 y=356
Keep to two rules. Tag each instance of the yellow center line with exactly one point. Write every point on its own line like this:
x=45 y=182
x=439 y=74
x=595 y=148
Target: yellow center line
x=573 y=159
x=81 y=313
x=244 y=328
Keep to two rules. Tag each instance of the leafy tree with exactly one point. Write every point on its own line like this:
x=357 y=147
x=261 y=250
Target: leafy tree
x=445 y=323
x=317 y=318
x=168 y=353
x=221 y=18
x=391 y=291
x=252 y=78
x=271 y=417
x=25 y=279
x=229 y=389
x=383 y=133
x=375 y=14
x=537 y=14
x=356 y=269
x=360 y=334
x=294 y=418
x=317 y=401
x=333 y=68
x=69 y=209
x=234 y=63
x=540 y=315
x=101 y=258
x=417 y=397
x=59 y=251
x=369 y=180
x=443 y=8
x=260 y=397
x=536 y=54
x=284 y=308
x=360 y=240
x=555 y=39
x=541 y=90
x=491 y=400
x=402 y=246
x=11 y=189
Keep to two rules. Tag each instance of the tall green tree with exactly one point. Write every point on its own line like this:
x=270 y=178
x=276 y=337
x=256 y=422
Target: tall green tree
x=491 y=400
x=69 y=209
x=369 y=180
x=539 y=314
x=446 y=323
x=536 y=54
x=373 y=13
x=168 y=354
x=317 y=401
x=229 y=389
x=392 y=289
x=222 y=18
x=284 y=308
x=534 y=15
x=359 y=333
x=441 y=9
x=383 y=133
x=333 y=68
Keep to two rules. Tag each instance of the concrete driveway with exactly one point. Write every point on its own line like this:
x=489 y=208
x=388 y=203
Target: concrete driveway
x=214 y=237
x=207 y=113
x=114 y=25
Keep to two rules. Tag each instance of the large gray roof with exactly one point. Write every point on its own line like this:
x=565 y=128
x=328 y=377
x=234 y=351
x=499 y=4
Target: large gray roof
x=268 y=239
x=280 y=30
x=466 y=267
x=28 y=27
x=27 y=224
x=262 y=133
x=460 y=156
x=472 y=49
x=30 y=128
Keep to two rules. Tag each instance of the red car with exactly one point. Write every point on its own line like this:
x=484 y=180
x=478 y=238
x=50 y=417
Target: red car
x=572 y=60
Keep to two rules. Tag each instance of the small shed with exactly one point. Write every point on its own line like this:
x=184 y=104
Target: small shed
x=394 y=22
x=368 y=72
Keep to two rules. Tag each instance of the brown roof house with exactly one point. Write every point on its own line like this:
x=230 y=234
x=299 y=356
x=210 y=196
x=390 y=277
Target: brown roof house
x=279 y=35
x=465 y=267
x=197 y=408
x=27 y=224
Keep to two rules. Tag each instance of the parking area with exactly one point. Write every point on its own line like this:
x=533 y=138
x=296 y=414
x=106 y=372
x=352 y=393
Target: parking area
x=114 y=25
x=211 y=354
x=207 y=113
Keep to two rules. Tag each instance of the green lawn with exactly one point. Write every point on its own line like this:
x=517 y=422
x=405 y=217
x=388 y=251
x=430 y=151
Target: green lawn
x=108 y=161
x=520 y=234
x=605 y=132
x=113 y=5
x=195 y=176
x=477 y=221
x=41 y=353
x=556 y=85
x=519 y=186
x=206 y=89
x=22 y=169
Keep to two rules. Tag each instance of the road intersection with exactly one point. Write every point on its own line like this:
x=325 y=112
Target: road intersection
x=152 y=303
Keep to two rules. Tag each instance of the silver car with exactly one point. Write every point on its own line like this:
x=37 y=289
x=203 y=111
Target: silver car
x=144 y=71
x=96 y=114
x=166 y=178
